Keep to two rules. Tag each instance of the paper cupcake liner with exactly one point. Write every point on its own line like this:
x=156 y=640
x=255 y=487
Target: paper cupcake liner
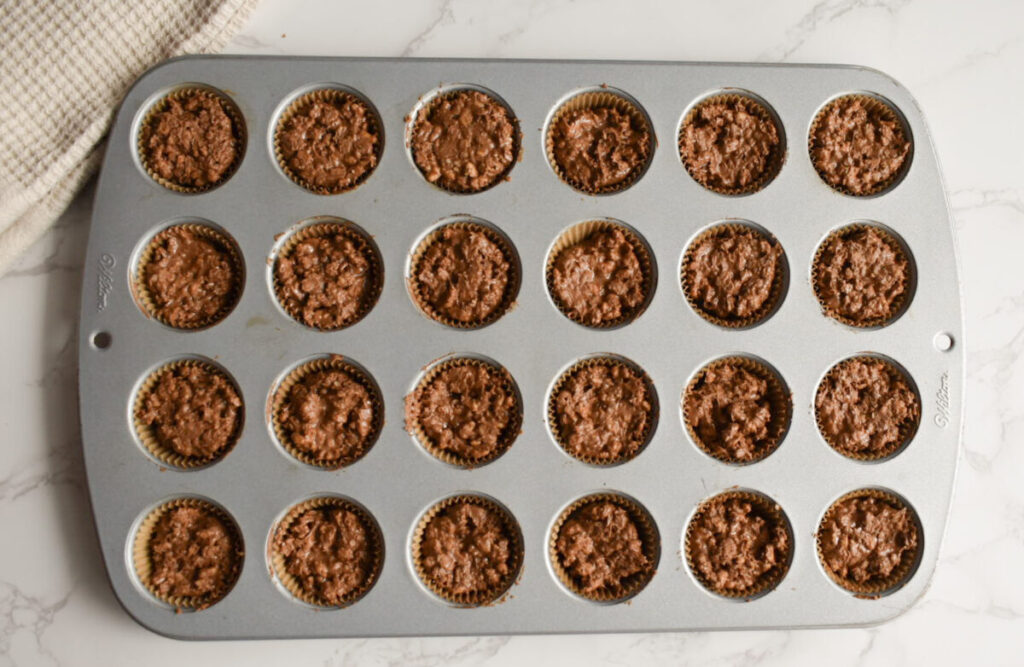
x=475 y=598
x=144 y=298
x=332 y=362
x=649 y=536
x=888 y=113
x=780 y=400
x=294 y=586
x=147 y=435
x=327 y=229
x=599 y=100
x=143 y=564
x=579 y=233
x=237 y=125
x=511 y=288
x=327 y=95
x=903 y=571
x=509 y=435
x=907 y=430
x=646 y=433
x=766 y=310
x=771 y=511
x=901 y=301
x=517 y=151
x=756 y=108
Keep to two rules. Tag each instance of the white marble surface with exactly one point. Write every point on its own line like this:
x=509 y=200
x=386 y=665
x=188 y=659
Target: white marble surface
x=963 y=62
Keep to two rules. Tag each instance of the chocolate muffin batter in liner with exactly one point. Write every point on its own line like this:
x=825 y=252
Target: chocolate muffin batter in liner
x=328 y=229
x=907 y=427
x=772 y=162
x=146 y=300
x=874 y=587
x=163 y=452
x=780 y=540
x=886 y=114
x=291 y=583
x=628 y=586
x=233 y=554
x=303 y=103
x=640 y=438
x=775 y=289
x=596 y=100
x=779 y=400
x=332 y=362
x=898 y=299
x=482 y=596
x=507 y=436
x=418 y=292
x=578 y=234
x=226 y=167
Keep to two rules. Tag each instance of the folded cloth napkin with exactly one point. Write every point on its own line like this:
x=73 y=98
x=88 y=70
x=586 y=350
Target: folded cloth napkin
x=64 y=66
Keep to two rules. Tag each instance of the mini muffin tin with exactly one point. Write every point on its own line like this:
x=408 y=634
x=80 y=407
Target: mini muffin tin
x=397 y=481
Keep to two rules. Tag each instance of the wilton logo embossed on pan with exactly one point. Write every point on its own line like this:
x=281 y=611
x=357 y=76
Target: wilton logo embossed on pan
x=104 y=279
x=942 y=402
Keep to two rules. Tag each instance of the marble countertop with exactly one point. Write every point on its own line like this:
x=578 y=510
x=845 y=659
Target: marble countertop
x=962 y=61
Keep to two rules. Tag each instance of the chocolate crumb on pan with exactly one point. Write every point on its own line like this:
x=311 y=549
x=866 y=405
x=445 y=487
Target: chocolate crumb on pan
x=327 y=412
x=468 y=550
x=731 y=144
x=739 y=544
x=859 y=145
x=869 y=542
x=866 y=408
x=188 y=276
x=604 y=547
x=192 y=140
x=188 y=553
x=327 y=551
x=465 y=141
x=465 y=411
x=861 y=276
x=328 y=141
x=328 y=276
x=188 y=414
x=737 y=410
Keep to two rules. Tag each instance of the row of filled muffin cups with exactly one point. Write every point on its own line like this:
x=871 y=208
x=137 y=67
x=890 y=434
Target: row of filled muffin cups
x=466 y=139
x=465 y=410
x=464 y=272
x=468 y=550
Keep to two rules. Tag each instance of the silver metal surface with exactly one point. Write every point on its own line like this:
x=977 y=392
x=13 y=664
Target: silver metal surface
x=397 y=479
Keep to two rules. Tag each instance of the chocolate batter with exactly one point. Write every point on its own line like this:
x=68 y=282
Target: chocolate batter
x=603 y=412
x=467 y=409
x=600 y=548
x=858 y=145
x=193 y=411
x=329 y=415
x=600 y=149
x=330 y=553
x=194 y=554
x=600 y=279
x=467 y=549
x=861 y=275
x=729 y=144
x=729 y=275
x=735 y=546
x=192 y=142
x=865 y=540
x=730 y=410
x=330 y=144
x=866 y=407
x=328 y=280
x=192 y=279
x=463 y=275
x=465 y=141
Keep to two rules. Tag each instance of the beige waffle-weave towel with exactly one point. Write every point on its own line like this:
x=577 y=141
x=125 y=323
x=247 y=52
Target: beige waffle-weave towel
x=64 y=66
